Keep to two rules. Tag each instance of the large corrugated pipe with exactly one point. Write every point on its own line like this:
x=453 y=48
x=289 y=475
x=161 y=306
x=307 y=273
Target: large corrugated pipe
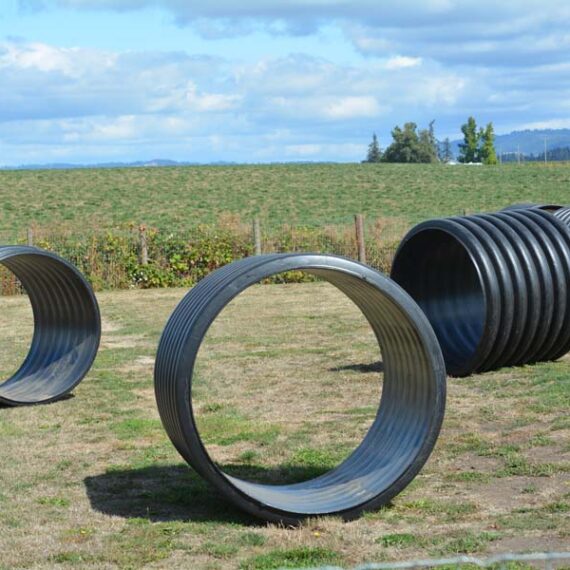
x=410 y=410
x=495 y=287
x=67 y=327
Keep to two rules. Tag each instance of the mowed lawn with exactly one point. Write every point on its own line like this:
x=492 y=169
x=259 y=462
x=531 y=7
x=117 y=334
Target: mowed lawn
x=299 y=194
x=287 y=384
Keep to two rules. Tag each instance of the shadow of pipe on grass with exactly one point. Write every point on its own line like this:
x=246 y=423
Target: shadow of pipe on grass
x=176 y=493
x=364 y=368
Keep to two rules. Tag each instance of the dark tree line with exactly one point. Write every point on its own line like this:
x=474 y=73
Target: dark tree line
x=556 y=154
x=410 y=145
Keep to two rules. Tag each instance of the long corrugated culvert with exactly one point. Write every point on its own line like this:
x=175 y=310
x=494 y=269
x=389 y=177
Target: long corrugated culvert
x=67 y=327
x=410 y=411
x=495 y=287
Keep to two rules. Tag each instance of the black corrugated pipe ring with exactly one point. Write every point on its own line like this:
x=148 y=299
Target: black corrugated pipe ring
x=411 y=407
x=67 y=327
x=494 y=286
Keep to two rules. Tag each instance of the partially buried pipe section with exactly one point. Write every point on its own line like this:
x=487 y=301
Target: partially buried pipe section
x=67 y=327
x=495 y=287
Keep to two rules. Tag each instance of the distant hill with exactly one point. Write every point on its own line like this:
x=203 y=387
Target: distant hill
x=528 y=142
x=137 y=164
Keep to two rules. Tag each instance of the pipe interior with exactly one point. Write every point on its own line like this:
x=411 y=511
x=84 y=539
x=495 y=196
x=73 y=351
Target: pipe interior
x=16 y=324
x=66 y=330
x=404 y=421
x=436 y=269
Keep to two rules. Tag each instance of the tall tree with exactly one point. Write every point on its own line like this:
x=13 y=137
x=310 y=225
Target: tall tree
x=469 y=148
x=374 y=153
x=445 y=151
x=487 y=151
x=428 y=144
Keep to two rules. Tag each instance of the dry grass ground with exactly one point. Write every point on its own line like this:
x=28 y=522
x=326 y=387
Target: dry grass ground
x=288 y=382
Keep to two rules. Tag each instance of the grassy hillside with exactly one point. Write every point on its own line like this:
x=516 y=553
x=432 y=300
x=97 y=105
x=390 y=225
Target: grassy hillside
x=172 y=198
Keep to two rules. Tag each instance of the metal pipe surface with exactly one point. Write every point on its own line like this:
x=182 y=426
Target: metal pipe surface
x=67 y=327
x=495 y=287
x=410 y=410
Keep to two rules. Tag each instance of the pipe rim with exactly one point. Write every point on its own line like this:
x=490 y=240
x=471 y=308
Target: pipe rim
x=488 y=287
x=56 y=290
x=173 y=377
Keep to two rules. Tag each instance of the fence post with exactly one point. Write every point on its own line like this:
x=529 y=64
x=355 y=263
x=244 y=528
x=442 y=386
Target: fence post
x=257 y=236
x=360 y=242
x=30 y=237
x=143 y=245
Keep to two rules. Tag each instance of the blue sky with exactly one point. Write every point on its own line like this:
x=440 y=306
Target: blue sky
x=88 y=81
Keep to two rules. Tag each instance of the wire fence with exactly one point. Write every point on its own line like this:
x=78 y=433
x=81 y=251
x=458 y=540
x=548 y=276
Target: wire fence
x=146 y=257
x=545 y=560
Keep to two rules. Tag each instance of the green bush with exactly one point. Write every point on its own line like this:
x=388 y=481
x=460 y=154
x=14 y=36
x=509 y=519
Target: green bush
x=112 y=259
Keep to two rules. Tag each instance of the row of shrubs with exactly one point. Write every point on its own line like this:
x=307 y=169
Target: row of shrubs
x=113 y=260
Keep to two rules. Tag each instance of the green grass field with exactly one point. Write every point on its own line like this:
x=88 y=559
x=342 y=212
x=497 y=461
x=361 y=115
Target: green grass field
x=93 y=482
x=174 y=198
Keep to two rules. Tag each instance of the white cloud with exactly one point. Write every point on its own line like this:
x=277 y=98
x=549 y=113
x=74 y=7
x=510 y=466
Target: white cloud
x=477 y=33
x=353 y=107
x=407 y=11
x=79 y=82
x=369 y=44
x=97 y=103
x=522 y=40
x=72 y=62
x=402 y=61
x=315 y=107
x=446 y=90
x=207 y=102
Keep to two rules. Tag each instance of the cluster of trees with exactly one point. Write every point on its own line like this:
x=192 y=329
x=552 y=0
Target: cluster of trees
x=411 y=145
x=408 y=145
